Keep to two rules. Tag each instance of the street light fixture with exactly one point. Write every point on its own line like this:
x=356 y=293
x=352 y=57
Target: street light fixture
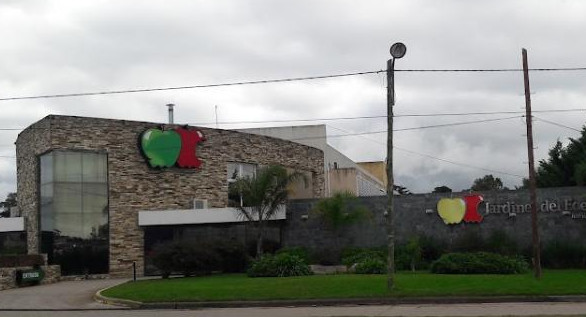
x=397 y=50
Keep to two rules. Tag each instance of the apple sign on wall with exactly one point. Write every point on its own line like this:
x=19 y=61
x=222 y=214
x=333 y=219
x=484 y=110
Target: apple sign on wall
x=167 y=148
x=454 y=210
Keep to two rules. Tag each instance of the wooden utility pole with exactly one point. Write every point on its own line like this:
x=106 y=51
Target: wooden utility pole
x=397 y=50
x=532 y=184
x=390 y=182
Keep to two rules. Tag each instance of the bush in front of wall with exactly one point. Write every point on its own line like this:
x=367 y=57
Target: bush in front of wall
x=184 y=258
x=371 y=266
x=301 y=252
x=279 y=265
x=351 y=257
x=478 y=263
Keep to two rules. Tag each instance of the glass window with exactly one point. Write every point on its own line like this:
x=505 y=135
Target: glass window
x=235 y=171
x=74 y=211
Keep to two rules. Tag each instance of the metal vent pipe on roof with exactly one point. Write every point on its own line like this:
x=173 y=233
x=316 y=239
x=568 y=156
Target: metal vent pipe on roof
x=170 y=105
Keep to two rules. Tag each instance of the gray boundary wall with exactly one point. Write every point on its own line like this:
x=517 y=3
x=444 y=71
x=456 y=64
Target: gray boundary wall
x=561 y=213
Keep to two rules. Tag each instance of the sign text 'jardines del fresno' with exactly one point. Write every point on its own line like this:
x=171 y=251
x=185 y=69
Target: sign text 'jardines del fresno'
x=167 y=148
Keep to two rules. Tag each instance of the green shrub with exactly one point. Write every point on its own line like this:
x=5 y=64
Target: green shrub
x=279 y=265
x=478 y=263
x=185 y=258
x=371 y=266
x=357 y=255
x=301 y=252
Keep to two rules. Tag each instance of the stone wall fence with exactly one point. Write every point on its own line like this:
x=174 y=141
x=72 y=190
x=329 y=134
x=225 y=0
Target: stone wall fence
x=10 y=266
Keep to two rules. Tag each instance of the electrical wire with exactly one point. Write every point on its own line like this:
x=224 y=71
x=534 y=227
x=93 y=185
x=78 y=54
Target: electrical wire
x=241 y=83
x=557 y=124
x=457 y=163
x=348 y=118
x=493 y=70
x=454 y=124
x=409 y=129
x=281 y=80
x=434 y=157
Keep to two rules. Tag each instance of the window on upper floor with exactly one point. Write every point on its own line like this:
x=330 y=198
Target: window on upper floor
x=238 y=170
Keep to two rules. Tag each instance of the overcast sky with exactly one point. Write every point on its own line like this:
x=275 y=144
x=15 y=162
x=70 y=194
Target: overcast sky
x=54 y=47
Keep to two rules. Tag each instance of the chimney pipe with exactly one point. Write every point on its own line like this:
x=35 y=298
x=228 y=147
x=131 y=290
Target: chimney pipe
x=170 y=112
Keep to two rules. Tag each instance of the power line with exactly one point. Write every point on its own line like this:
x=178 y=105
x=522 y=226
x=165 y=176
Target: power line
x=557 y=124
x=408 y=129
x=241 y=83
x=350 y=118
x=404 y=129
x=281 y=80
x=487 y=113
x=458 y=163
x=477 y=70
x=454 y=124
x=435 y=157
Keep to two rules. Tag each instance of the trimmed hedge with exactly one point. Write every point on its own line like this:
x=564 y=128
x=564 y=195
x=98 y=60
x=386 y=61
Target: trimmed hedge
x=185 y=258
x=478 y=263
x=371 y=266
x=354 y=256
x=279 y=265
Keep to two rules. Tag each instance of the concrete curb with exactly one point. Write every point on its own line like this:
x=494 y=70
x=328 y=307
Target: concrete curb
x=126 y=303
x=337 y=302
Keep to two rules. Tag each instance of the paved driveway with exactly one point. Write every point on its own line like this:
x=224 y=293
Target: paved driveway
x=62 y=295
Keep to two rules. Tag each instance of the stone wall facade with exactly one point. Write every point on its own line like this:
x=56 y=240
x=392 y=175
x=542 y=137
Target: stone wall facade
x=8 y=275
x=134 y=186
x=561 y=214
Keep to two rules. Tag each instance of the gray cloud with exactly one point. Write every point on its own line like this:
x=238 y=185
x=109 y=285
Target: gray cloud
x=55 y=47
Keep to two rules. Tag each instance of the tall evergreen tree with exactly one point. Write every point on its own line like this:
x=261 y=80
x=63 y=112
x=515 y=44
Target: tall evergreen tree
x=565 y=166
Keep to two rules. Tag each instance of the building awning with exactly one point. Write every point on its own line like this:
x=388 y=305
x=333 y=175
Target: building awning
x=12 y=224
x=196 y=216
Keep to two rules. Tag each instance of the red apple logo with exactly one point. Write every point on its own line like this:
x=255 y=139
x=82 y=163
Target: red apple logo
x=189 y=140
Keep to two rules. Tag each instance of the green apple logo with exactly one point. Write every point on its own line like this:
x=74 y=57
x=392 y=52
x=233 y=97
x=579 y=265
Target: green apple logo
x=161 y=147
x=451 y=210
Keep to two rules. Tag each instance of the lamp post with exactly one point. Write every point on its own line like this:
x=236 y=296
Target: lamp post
x=397 y=50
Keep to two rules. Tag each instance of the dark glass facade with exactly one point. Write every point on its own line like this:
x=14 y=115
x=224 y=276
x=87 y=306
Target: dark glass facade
x=74 y=211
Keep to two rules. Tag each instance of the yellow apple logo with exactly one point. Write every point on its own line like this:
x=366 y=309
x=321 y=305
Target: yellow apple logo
x=452 y=210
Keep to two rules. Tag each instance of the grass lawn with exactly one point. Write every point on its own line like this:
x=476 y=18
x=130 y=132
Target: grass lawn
x=240 y=287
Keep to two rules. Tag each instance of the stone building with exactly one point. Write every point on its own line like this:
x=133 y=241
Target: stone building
x=89 y=192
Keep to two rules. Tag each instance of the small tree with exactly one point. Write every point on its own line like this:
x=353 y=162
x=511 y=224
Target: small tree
x=339 y=211
x=9 y=202
x=442 y=189
x=488 y=182
x=262 y=196
x=401 y=190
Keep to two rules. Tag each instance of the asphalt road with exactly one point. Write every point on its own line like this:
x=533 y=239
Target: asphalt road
x=500 y=309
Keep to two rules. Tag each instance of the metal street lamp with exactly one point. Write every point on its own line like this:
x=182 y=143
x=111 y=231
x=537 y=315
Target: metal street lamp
x=397 y=50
